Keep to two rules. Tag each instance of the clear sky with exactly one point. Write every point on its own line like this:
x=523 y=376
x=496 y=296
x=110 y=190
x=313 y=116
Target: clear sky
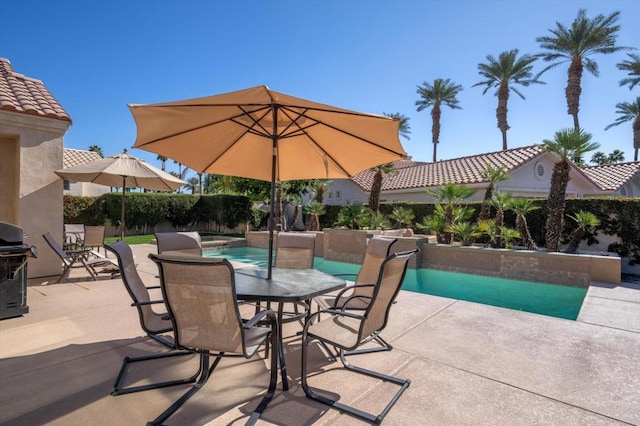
x=367 y=55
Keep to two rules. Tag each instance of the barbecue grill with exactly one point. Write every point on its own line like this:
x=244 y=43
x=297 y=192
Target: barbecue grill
x=13 y=271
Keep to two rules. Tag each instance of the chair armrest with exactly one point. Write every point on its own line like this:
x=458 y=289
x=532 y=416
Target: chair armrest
x=151 y=302
x=151 y=287
x=345 y=275
x=353 y=297
x=257 y=317
x=347 y=288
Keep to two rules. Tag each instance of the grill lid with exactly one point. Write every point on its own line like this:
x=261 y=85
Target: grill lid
x=10 y=234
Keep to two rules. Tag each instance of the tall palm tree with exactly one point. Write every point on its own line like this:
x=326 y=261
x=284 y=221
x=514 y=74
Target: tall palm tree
x=567 y=143
x=193 y=183
x=97 y=150
x=633 y=66
x=315 y=209
x=521 y=207
x=493 y=175
x=442 y=92
x=575 y=44
x=503 y=74
x=405 y=128
x=376 y=186
x=163 y=161
x=630 y=111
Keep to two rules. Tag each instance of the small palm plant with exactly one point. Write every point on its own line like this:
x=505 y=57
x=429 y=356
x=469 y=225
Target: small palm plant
x=509 y=235
x=377 y=220
x=501 y=202
x=521 y=207
x=352 y=216
x=465 y=231
x=586 y=221
x=402 y=216
x=434 y=224
x=314 y=209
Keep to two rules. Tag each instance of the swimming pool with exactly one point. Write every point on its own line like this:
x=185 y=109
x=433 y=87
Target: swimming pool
x=540 y=298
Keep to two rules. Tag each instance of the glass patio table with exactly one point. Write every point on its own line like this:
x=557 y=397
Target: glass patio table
x=285 y=285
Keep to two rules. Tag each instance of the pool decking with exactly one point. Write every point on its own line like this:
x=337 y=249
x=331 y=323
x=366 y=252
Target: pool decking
x=470 y=364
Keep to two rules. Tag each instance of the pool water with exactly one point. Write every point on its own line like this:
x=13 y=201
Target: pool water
x=540 y=298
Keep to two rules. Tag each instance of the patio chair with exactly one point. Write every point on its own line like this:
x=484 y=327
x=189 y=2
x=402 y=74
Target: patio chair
x=378 y=250
x=73 y=236
x=79 y=258
x=201 y=299
x=94 y=239
x=154 y=323
x=347 y=331
x=187 y=243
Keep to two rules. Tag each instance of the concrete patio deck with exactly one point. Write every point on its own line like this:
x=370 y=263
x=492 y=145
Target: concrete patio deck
x=470 y=364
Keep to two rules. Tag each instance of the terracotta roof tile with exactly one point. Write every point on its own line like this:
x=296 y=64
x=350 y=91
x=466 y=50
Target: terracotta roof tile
x=611 y=177
x=465 y=170
x=75 y=157
x=27 y=95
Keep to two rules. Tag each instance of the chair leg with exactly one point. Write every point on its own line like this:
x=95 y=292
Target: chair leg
x=117 y=390
x=206 y=373
x=272 y=382
x=372 y=418
x=384 y=346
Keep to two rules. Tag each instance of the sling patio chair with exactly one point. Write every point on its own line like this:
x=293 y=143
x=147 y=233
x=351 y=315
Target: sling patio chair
x=201 y=300
x=80 y=258
x=94 y=239
x=187 y=243
x=378 y=250
x=154 y=323
x=347 y=331
x=73 y=236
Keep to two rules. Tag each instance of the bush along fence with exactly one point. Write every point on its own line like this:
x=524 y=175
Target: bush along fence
x=619 y=217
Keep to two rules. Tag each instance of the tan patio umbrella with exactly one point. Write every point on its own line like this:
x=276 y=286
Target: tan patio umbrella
x=122 y=170
x=262 y=134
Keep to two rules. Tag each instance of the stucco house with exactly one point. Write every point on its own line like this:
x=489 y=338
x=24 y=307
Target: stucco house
x=530 y=169
x=76 y=157
x=32 y=128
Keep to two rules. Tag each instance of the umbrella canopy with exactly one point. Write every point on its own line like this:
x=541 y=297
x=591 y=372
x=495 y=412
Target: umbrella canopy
x=122 y=170
x=262 y=134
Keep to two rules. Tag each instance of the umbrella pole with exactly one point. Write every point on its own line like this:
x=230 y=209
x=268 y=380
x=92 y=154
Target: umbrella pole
x=124 y=181
x=272 y=205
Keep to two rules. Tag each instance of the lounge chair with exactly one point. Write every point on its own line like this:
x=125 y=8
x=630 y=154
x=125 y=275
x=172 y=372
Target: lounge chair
x=188 y=243
x=154 y=323
x=347 y=331
x=356 y=297
x=80 y=258
x=73 y=236
x=201 y=299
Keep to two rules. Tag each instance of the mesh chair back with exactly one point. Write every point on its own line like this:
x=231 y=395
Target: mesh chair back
x=179 y=243
x=377 y=251
x=295 y=250
x=201 y=298
x=388 y=285
x=74 y=233
x=149 y=320
x=94 y=236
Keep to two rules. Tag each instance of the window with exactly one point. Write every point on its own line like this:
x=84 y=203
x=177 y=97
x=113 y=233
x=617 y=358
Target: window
x=65 y=185
x=338 y=195
x=539 y=170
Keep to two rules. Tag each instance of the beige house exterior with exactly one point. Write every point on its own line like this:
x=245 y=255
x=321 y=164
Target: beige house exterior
x=530 y=169
x=76 y=157
x=32 y=128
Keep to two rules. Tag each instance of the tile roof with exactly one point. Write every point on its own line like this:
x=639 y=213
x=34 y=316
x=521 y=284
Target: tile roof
x=27 y=95
x=611 y=177
x=465 y=170
x=75 y=157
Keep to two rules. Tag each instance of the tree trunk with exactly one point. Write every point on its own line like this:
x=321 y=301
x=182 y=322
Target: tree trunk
x=525 y=235
x=435 y=128
x=501 y=112
x=576 y=237
x=574 y=90
x=374 y=196
x=486 y=206
x=555 y=205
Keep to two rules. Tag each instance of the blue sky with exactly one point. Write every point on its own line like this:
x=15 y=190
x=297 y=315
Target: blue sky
x=97 y=57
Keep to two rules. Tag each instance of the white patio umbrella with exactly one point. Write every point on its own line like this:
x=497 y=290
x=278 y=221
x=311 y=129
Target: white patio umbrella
x=122 y=170
x=262 y=134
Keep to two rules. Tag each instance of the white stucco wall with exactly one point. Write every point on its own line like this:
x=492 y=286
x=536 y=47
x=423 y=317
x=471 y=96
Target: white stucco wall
x=40 y=194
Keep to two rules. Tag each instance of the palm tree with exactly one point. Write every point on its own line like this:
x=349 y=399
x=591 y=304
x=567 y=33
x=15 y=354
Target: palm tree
x=97 y=150
x=318 y=187
x=584 y=38
x=630 y=111
x=521 y=207
x=315 y=209
x=633 y=66
x=503 y=74
x=501 y=201
x=402 y=216
x=568 y=143
x=405 y=128
x=376 y=186
x=586 y=221
x=193 y=183
x=493 y=175
x=450 y=194
x=163 y=161
x=441 y=92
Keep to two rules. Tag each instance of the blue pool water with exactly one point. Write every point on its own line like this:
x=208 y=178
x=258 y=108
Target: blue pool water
x=540 y=298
